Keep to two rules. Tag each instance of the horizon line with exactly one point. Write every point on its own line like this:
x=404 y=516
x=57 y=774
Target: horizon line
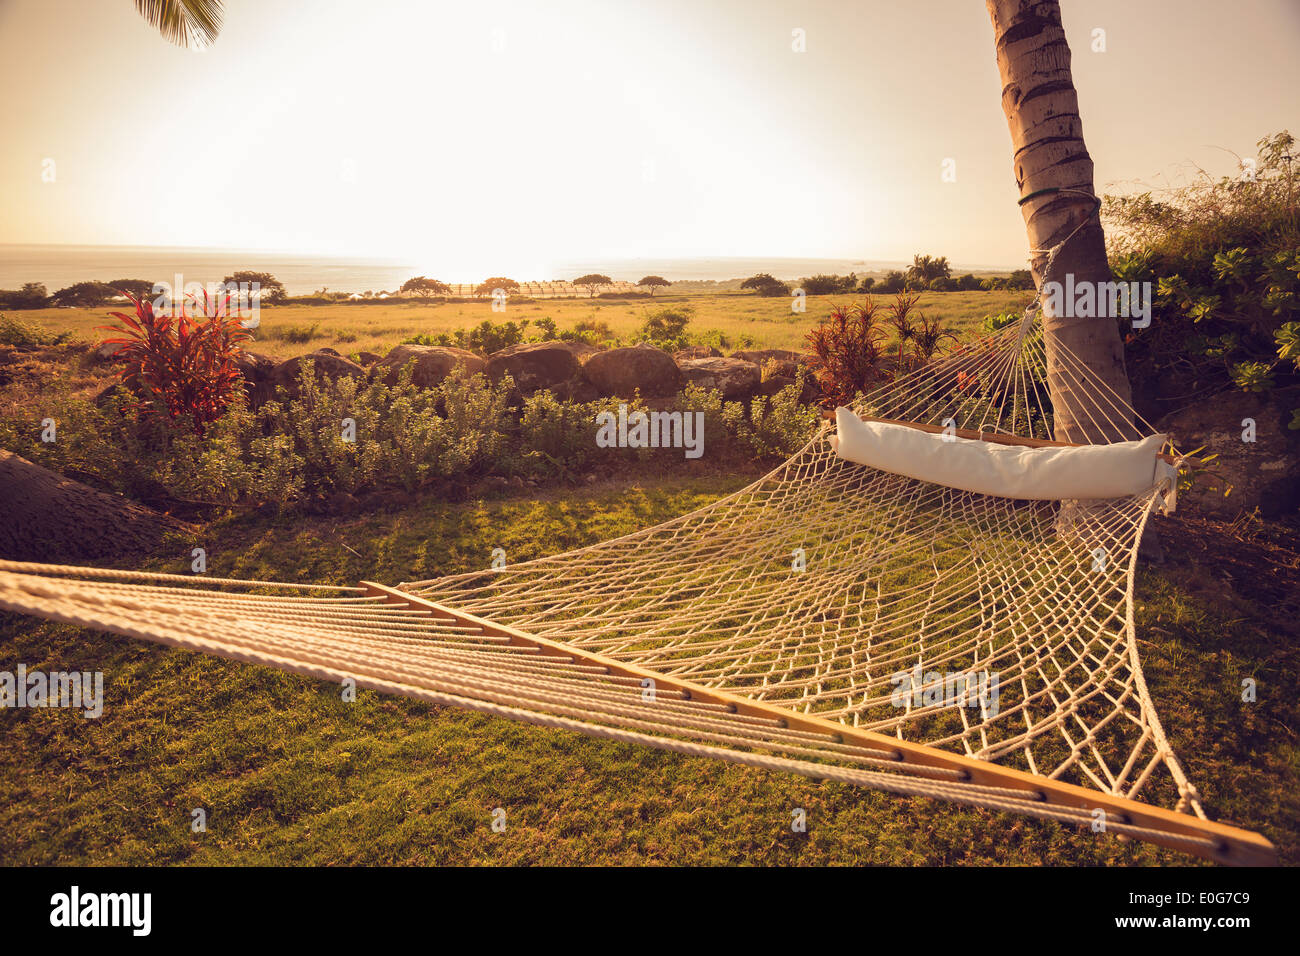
x=395 y=261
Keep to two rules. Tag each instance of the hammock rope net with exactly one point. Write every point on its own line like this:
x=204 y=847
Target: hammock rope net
x=796 y=625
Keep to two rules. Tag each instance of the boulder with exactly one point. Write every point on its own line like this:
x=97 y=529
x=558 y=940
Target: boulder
x=734 y=378
x=1263 y=474
x=810 y=394
x=583 y=350
x=536 y=365
x=696 y=351
x=329 y=365
x=258 y=371
x=107 y=351
x=368 y=358
x=773 y=384
x=432 y=364
x=787 y=362
x=642 y=368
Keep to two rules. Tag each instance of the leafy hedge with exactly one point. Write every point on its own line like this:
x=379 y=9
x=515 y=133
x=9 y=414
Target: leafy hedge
x=1223 y=259
x=294 y=448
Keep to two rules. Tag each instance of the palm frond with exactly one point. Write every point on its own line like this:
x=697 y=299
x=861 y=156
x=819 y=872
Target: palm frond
x=184 y=22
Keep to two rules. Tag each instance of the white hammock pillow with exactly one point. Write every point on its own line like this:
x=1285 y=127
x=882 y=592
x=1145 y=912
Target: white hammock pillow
x=1007 y=471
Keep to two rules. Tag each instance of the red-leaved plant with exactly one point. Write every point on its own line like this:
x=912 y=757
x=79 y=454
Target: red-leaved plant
x=849 y=354
x=848 y=349
x=182 y=365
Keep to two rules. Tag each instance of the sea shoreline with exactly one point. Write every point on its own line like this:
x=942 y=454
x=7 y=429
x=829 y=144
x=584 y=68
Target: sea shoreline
x=59 y=266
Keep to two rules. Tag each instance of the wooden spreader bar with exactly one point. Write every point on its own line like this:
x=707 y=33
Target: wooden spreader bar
x=1231 y=845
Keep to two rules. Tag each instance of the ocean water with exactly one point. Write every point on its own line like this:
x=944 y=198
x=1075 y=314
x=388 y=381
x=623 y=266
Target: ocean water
x=58 y=266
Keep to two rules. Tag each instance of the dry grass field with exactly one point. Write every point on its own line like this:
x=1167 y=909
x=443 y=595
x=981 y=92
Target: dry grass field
x=743 y=319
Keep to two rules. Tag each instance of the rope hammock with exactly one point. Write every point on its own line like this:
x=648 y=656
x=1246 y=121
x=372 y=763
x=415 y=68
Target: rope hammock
x=779 y=627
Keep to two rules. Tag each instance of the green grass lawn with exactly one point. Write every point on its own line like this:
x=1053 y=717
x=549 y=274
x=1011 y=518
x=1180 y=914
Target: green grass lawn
x=288 y=773
x=376 y=328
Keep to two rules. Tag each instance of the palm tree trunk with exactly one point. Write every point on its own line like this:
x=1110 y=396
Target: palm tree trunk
x=1049 y=157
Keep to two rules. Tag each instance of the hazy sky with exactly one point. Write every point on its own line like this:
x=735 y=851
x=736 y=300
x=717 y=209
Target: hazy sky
x=462 y=135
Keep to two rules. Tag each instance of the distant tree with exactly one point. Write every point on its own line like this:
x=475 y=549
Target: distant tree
x=423 y=287
x=766 y=285
x=489 y=286
x=654 y=282
x=968 y=283
x=828 y=285
x=1021 y=279
x=83 y=295
x=924 y=269
x=892 y=283
x=866 y=284
x=31 y=296
x=136 y=288
x=591 y=281
x=270 y=289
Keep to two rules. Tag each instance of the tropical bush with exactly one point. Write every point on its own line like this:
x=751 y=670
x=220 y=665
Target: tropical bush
x=848 y=349
x=591 y=331
x=29 y=335
x=295 y=334
x=666 y=328
x=1223 y=259
x=893 y=282
x=485 y=338
x=850 y=356
x=723 y=341
x=776 y=426
x=355 y=437
x=181 y=363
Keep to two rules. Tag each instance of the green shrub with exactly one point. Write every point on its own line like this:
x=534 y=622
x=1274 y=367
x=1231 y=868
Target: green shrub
x=294 y=447
x=485 y=338
x=774 y=427
x=295 y=334
x=29 y=335
x=547 y=331
x=666 y=327
x=992 y=324
x=721 y=341
x=556 y=438
x=1224 y=259
x=590 y=331
x=693 y=398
